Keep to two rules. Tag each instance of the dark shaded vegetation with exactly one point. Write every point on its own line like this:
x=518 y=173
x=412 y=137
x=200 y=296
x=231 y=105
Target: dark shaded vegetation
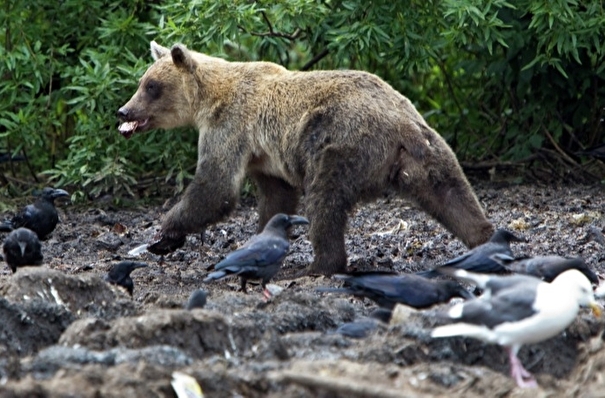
x=509 y=85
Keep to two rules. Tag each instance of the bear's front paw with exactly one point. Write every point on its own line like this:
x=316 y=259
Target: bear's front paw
x=164 y=243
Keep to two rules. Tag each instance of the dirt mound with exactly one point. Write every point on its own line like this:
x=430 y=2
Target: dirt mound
x=86 y=295
x=65 y=332
x=27 y=327
x=125 y=380
x=199 y=333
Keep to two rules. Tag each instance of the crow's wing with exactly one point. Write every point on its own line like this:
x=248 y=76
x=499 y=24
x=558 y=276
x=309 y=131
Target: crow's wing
x=258 y=252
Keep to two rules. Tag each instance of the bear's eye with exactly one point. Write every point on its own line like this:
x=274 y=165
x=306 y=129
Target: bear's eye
x=153 y=89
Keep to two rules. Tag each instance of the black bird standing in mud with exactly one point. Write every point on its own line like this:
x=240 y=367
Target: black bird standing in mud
x=41 y=216
x=22 y=247
x=119 y=274
x=197 y=299
x=388 y=289
x=260 y=257
x=480 y=258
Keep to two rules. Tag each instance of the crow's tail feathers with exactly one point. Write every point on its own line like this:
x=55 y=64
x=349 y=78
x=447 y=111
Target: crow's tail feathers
x=215 y=275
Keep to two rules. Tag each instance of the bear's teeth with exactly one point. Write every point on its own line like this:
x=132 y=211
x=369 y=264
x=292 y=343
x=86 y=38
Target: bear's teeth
x=127 y=127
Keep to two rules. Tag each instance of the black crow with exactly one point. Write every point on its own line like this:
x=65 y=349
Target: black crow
x=479 y=259
x=7 y=157
x=523 y=310
x=597 y=151
x=41 y=216
x=358 y=329
x=197 y=299
x=119 y=274
x=546 y=268
x=22 y=247
x=260 y=257
x=361 y=328
x=388 y=289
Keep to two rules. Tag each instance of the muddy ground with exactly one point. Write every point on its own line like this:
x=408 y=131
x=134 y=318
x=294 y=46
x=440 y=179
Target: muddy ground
x=66 y=333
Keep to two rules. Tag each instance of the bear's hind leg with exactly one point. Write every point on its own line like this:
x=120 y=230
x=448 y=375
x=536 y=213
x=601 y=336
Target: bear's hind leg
x=437 y=183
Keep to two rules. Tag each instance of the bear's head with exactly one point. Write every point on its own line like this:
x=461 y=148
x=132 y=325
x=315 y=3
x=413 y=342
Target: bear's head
x=164 y=98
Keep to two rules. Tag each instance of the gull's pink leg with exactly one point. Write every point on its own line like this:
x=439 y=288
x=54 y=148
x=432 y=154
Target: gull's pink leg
x=523 y=378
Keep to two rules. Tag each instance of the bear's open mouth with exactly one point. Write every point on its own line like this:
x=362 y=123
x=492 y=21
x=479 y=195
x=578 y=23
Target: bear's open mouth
x=127 y=129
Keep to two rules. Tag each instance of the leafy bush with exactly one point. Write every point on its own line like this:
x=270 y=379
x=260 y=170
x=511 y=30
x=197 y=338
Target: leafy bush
x=499 y=80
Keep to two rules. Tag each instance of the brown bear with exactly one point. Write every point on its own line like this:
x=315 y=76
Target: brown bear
x=338 y=137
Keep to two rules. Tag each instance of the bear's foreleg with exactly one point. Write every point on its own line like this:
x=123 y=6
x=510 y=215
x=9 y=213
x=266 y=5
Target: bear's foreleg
x=208 y=199
x=330 y=195
x=328 y=220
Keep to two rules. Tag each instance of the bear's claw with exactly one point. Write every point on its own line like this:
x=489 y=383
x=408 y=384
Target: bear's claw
x=163 y=244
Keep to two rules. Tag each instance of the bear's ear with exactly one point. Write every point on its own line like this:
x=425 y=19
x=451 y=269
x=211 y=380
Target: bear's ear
x=158 y=51
x=182 y=57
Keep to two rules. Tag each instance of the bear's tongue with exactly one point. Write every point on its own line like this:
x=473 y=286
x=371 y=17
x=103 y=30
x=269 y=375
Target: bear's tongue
x=127 y=128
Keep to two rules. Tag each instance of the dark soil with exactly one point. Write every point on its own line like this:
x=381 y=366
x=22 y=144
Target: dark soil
x=67 y=333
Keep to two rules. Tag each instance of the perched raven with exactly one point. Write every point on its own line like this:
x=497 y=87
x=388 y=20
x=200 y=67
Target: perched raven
x=388 y=289
x=260 y=257
x=119 y=274
x=41 y=216
x=22 y=247
x=479 y=259
x=546 y=268
x=197 y=299
x=520 y=310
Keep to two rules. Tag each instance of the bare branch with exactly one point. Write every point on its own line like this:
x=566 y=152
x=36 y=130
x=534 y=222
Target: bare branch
x=315 y=59
x=557 y=147
x=271 y=33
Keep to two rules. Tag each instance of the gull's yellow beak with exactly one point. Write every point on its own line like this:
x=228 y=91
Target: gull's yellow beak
x=596 y=309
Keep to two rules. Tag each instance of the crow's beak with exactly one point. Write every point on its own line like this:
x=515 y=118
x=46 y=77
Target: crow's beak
x=58 y=193
x=139 y=265
x=298 y=220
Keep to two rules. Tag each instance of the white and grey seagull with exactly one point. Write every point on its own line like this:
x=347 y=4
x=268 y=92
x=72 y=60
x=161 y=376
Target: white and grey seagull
x=517 y=310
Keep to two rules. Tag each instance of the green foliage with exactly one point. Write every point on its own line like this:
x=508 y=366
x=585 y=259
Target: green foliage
x=531 y=74
x=500 y=80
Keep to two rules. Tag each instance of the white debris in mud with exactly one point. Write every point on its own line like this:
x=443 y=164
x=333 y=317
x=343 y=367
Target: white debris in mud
x=56 y=296
x=138 y=250
x=274 y=289
x=401 y=314
x=186 y=386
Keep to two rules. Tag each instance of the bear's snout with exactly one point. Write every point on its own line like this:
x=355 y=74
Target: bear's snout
x=123 y=113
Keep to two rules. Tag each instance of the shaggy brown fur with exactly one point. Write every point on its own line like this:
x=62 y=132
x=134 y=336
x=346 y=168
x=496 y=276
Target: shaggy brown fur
x=340 y=137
